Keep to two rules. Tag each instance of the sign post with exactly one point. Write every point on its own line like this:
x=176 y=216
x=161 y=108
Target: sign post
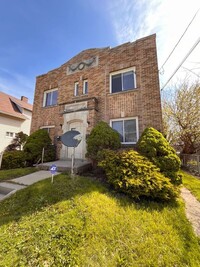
x=53 y=170
x=71 y=139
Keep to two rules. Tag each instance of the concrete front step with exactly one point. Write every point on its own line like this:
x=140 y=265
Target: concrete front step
x=81 y=166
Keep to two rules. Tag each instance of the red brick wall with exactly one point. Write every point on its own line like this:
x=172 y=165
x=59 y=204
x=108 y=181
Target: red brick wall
x=143 y=102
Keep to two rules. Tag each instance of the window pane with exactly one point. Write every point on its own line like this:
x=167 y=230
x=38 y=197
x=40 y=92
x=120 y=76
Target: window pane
x=130 y=132
x=116 y=83
x=128 y=80
x=118 y=126
x=54 y=97
x=76 y=89
x=48 y=99
x=85 y=87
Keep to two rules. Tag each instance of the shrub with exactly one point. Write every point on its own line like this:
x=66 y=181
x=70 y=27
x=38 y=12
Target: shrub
x=135 y=175
x=34 y=145
x=102 y=137
x=13 y=159
x=154 y=146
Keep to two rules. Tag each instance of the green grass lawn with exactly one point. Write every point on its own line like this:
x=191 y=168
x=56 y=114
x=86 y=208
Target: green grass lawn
x=192 y=183
x=15 y=173
x=78 y=222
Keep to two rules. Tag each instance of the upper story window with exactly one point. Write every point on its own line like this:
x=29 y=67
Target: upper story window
x=127 y=129
x=123 y=80
x=76 y=87
x=85 y=87
x=50 y=98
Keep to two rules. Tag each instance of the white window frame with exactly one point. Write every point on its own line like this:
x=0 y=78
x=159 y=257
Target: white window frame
x=47 y=127
x=126 y=119
x=10 y=134
x=76 y=88
x=45 y=97
x=121 y=72
x=84 y=87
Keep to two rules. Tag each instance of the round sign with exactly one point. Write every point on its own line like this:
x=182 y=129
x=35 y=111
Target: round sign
x=53 y=169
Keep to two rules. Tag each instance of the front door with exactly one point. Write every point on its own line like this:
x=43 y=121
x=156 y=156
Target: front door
x=80 y=149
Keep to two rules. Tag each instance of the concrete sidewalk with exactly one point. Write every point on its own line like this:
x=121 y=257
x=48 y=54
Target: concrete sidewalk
x=32 y=178
x=11 y=186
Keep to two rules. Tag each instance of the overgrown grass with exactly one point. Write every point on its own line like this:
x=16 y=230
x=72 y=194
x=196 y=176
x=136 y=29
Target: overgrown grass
x=78 y=222
x=15 y=173
x=192 y=183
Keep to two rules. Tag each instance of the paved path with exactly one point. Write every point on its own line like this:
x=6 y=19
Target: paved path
x=11 y=186
x=192 y=209
x=32 y=178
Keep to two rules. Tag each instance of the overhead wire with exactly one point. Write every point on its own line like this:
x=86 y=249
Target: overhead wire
x=184 y=59
x=179 y=40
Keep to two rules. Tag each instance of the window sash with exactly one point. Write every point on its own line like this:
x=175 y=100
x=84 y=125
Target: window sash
x=123 y=81
x=76 y=88
x=127 y=130
x=85 y=87
x=51 y=98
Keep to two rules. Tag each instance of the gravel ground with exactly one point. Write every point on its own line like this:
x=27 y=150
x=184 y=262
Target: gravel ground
x=192 y=209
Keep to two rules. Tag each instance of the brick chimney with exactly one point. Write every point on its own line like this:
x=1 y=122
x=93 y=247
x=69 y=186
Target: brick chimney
x=24 y=98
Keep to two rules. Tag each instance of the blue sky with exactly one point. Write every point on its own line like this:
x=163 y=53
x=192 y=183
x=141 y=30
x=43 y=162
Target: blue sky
x=37 y=36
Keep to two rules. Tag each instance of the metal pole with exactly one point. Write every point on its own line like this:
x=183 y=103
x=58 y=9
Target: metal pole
x=72 y=167
x=42 y=155
x=1 y=157
x=198 y=163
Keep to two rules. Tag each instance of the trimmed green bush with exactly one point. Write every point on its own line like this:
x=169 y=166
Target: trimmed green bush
x=154 y=146
x=34 y=145
x=102 y=137
x=13 y=159
x=135 y=175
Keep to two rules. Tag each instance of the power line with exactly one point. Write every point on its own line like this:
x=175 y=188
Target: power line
x=184 y=59
x=191 y=71
x=179 y=40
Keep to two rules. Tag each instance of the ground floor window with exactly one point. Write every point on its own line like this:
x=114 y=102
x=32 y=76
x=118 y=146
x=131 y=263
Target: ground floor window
x=127 y=128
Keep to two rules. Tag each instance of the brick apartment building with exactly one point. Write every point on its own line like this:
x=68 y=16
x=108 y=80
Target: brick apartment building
x=118 y=85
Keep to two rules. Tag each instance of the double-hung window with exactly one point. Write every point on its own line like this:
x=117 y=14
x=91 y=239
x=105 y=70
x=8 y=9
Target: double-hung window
x=123 y=80
x=76 y=87
x=85 y=87
x=50 y=98
x=127 y=129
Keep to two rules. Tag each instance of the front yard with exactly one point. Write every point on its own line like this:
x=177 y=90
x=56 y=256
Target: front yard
x=79 y=222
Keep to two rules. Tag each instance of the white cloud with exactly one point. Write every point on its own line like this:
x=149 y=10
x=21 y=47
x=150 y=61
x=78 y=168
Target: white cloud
x=16 y=84
x=168 y=19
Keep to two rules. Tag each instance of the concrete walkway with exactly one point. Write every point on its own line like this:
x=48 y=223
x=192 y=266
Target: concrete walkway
x=32 y=178
x=11 y=186
x=192 y=206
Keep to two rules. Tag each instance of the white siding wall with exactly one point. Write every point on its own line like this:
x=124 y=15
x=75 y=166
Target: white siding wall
x=11 y=124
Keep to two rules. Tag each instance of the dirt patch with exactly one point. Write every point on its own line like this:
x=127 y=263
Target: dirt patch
x=192 y=209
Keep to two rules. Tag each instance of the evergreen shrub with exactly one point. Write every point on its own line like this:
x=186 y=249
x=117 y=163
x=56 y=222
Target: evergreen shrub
x=13 y=159
x=156 y=148
x=35 y=143
x=133 y=174
x=101 y=137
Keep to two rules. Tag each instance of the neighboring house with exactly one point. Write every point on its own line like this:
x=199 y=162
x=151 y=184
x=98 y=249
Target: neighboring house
x=15 y=116
x=118 y=85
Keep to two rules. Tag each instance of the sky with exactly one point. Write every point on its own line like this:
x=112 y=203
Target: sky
x=37 y=36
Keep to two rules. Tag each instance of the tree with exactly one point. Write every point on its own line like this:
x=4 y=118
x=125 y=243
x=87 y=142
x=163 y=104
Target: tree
x=35 y=143
x=181 y=115
x=101 y=137
x=17 y=142
x=155 y=147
